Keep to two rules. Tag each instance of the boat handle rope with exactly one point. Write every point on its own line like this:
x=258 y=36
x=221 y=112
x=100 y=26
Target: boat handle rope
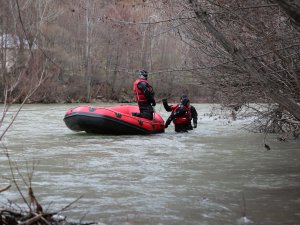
x=119 y=115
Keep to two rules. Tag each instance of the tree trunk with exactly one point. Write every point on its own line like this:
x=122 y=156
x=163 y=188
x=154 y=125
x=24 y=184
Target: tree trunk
x=287 y=103
x=87 y=55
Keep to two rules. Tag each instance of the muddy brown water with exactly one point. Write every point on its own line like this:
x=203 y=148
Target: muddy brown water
x=216 y=174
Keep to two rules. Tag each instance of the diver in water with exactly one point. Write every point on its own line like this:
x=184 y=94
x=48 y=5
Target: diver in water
x=181 y=114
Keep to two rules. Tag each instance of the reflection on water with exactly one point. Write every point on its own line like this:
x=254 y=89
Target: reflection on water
x=198 y=177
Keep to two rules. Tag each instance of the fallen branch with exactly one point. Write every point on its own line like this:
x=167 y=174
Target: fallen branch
x=31 y=220
x=5 y=188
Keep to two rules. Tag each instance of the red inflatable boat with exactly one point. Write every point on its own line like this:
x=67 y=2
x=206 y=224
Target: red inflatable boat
x=112 y=120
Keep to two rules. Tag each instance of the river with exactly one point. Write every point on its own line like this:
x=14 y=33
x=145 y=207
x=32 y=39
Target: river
x=215 y=174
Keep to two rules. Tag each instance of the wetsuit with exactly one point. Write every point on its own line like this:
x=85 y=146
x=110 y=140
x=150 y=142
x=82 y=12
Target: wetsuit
x=181 y=116
x=144 y=96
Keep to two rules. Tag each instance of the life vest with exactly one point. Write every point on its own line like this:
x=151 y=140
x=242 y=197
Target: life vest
x=185 y=118
x=139 y=94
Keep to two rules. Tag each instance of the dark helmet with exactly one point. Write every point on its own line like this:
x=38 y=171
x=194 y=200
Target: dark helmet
x=143 y=73
x=184 y=100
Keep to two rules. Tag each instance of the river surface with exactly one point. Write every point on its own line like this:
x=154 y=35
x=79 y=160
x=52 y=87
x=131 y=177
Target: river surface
x=216 y=174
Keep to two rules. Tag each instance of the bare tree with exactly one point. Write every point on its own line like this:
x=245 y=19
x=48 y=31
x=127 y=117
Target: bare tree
x=244 y=52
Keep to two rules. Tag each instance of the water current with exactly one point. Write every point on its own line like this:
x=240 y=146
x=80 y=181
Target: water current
x=216 y=174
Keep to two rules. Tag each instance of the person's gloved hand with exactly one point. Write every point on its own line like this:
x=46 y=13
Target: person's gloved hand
x=164 y=100
x=167 y=123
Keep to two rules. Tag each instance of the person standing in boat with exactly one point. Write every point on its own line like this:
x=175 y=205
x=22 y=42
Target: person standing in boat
x=181 y=114
x=144 y=95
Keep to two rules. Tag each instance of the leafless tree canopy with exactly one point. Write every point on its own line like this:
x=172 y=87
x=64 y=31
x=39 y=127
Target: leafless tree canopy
x=90 y=49
x=243 y=51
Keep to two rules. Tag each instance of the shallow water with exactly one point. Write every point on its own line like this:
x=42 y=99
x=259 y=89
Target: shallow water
x=216 y=174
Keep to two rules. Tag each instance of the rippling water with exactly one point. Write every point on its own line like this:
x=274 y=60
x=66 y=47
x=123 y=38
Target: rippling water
x=200 y=177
